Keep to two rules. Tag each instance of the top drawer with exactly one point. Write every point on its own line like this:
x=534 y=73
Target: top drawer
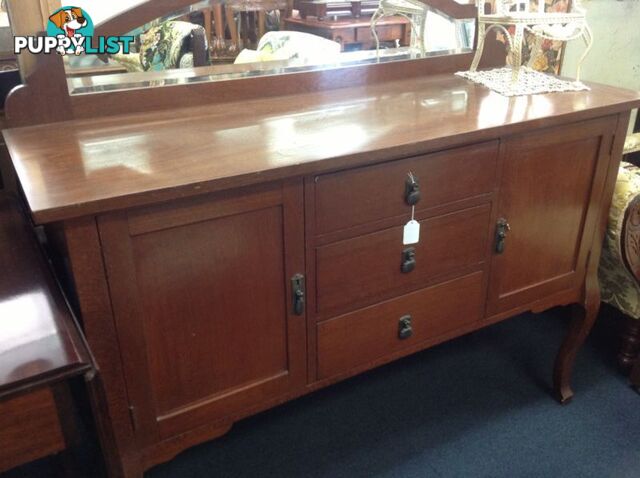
x=351 y=198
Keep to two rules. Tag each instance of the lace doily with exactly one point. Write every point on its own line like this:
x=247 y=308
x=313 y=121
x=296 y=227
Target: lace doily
x=530 y=82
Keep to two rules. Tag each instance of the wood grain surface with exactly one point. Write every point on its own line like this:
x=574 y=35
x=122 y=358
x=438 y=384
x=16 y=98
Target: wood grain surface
x=77 y=168
x=38 y=340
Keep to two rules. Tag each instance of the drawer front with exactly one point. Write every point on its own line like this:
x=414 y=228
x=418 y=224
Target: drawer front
x=368 y=335
x=343 y=35
x=360 y=271
x=385 y=33
x=352 y=198
x=29 y=429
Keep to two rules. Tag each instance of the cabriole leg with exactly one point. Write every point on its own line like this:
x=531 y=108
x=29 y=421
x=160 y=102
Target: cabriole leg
x=582 y=320
x=482 y=33
x=587 y=36
x=629 y=343
x=537 y=48
x=374 y=23
x=516 y=53
x=422 y=29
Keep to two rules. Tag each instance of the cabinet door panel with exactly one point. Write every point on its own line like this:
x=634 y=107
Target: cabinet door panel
x=203 y=308
x=200 y=291
x=550 y=186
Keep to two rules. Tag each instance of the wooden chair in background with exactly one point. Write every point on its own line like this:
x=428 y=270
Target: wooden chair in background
x=247 y=19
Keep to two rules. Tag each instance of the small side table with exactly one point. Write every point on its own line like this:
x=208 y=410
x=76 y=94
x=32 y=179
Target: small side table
x=41 y=350
x=321 y=9
x=350 y=31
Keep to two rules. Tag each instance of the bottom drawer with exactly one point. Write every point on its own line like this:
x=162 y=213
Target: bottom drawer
x=370 y=334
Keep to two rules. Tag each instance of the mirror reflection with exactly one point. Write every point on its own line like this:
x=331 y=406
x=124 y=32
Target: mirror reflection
x=222 y=39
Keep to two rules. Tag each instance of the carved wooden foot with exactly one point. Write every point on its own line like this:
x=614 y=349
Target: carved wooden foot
x=630 y=344
x=582 y=320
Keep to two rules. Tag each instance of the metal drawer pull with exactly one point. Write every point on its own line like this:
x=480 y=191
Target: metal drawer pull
x=502 y=228
x=297 y=291
x=408 y=260
x=404 y=328
x=412 y=190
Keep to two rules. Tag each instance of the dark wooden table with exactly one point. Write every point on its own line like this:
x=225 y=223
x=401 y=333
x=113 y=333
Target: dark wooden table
x=323 y=8
x=40 y=348
x=354 y=31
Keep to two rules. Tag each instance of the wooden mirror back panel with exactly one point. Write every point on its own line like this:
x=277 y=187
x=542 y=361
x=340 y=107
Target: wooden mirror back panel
x=45 y=97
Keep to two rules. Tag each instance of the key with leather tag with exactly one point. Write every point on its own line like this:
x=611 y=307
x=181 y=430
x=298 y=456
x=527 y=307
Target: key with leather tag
x=411 y=231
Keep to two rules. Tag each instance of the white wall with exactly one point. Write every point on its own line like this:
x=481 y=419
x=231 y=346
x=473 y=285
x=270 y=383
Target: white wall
x=100 y=10
x=615 y=57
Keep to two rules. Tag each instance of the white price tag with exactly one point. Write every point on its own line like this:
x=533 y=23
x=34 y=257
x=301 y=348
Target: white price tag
x=411 y=233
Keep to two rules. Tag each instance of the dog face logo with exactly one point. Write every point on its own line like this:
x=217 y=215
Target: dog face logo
x=73 y=25
x=69 y=20
x=70 y=31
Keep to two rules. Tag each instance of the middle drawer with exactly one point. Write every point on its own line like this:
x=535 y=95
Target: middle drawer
x=367 y=269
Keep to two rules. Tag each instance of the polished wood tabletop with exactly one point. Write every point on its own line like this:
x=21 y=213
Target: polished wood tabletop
x=342 y=23
x=78 y=168
x=38 y=339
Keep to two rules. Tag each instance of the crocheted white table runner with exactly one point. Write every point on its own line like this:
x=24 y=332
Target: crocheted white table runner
x=530 y=82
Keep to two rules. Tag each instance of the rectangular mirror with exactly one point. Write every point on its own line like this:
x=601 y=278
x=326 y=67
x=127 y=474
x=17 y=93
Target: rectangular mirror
x=212 y=40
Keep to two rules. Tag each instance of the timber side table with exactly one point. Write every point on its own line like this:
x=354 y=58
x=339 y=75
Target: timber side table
x=323 y=8
x=41 y=351
x=354 y=31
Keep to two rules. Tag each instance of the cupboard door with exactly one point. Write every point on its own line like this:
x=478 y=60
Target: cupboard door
x=551 y=186
x=202 y=300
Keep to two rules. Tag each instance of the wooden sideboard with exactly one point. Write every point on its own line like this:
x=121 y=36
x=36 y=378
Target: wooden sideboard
x=229 y=258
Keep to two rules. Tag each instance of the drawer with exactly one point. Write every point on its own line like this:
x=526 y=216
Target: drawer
x=29 y=429
x=385 y=33
x=362 y=270
x=352 y=198
x=343 y=35
x=370 y=334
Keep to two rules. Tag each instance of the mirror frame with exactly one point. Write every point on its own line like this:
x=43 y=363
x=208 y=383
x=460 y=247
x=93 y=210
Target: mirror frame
x=45 y=97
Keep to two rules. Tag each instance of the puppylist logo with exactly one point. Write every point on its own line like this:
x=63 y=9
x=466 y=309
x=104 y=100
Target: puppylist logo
x=70 y=31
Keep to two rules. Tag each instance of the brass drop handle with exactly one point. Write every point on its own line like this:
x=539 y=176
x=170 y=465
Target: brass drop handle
x=502 y=228
x=405 y=329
